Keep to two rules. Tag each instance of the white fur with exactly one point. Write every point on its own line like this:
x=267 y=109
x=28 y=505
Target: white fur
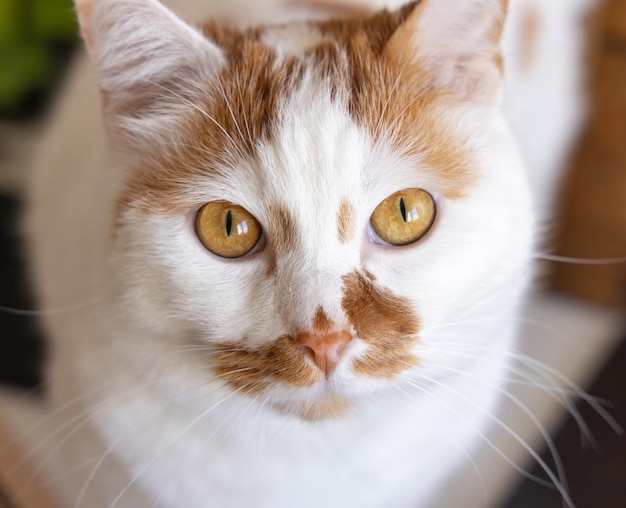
x=160 y=431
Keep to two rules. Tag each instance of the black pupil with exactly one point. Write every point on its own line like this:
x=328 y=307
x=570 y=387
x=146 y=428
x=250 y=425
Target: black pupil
x=229 y=222
x=403 y=209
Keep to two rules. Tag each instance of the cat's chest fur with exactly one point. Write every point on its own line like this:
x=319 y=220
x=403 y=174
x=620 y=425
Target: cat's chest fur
x=217 y=381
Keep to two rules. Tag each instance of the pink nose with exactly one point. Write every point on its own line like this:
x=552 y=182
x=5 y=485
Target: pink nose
x=326 y=349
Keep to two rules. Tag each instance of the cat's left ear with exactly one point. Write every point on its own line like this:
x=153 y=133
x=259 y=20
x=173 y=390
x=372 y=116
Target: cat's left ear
x=456 y=43
x=148 y=63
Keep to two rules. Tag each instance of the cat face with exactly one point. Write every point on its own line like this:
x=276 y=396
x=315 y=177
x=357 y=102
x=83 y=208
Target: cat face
x=310 y=202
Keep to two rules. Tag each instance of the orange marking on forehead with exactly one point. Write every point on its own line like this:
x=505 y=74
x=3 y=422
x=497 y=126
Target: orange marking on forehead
x=282 y=230
x=384 y=321
x=254 y=370
x=346 y=221
x=321 y=322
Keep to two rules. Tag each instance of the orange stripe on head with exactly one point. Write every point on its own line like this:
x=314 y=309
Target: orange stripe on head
x=346 y=221
x=282 y=230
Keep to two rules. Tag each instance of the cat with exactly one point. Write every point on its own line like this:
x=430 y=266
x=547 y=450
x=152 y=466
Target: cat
x=293 y=271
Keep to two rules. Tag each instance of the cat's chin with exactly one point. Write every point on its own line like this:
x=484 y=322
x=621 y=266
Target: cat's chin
x=330 y=405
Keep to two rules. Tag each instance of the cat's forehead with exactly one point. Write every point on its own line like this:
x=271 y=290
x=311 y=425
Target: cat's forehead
x=318 y=104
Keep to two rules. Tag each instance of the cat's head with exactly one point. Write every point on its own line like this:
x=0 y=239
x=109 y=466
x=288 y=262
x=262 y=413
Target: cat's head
x=311 y=202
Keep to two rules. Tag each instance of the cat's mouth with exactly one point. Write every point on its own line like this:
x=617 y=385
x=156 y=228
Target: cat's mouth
x=279 y=364
x=276 y=368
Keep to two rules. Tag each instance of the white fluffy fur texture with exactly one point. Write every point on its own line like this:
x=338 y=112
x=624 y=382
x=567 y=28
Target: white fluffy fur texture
x=160 y=431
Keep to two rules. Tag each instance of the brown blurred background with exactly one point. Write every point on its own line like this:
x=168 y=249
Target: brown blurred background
x=592 y=213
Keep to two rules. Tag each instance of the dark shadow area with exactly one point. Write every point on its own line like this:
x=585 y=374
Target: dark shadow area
x=596 y=471
x=22 y=348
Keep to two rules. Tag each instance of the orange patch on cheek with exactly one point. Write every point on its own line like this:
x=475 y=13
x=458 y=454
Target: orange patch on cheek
x=384 y=321
x=346 y=221
x=254 y=370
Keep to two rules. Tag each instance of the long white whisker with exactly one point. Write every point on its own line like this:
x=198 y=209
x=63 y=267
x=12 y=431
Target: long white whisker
x=544 y=434
x=580 y=261
x=555 y=480
x=49 y=312
x=462 y=449
x=481 y=434
x=115 y=442
x=181 y=434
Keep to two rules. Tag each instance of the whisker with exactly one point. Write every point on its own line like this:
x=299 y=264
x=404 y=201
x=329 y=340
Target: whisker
x=480 y=434
x=115 y=442
x=461 y=448
x=555 y=480
x=181 y=434
x=49 y=312
x=391 y=93
x=197 y=108
x=581 y=261
x=560 y=471
x=552 y=376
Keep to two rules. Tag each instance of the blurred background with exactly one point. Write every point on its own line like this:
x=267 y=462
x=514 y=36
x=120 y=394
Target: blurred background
x=38 y=39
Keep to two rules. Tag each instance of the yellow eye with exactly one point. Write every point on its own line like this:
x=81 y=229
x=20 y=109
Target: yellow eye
x=404 y=217
x=227 y=230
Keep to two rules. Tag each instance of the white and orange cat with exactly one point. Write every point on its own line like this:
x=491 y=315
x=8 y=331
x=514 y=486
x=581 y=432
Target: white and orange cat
x=299 y=254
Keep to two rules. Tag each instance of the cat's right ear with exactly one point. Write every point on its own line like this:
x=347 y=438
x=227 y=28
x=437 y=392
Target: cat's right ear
x=457 y=43
x=148 y=63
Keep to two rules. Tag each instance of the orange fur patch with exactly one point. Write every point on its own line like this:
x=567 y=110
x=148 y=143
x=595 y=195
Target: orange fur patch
x=346 y=221
x=282 y=230
x=384 y=321
x=321 y=322
x=254 y=370
x=238 y=110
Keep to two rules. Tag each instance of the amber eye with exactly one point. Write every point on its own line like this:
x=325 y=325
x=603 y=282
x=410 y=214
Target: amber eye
x=227 y=230
x=404 y=217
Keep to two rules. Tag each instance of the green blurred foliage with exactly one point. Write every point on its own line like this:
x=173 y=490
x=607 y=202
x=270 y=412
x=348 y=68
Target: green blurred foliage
x=34 y=37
